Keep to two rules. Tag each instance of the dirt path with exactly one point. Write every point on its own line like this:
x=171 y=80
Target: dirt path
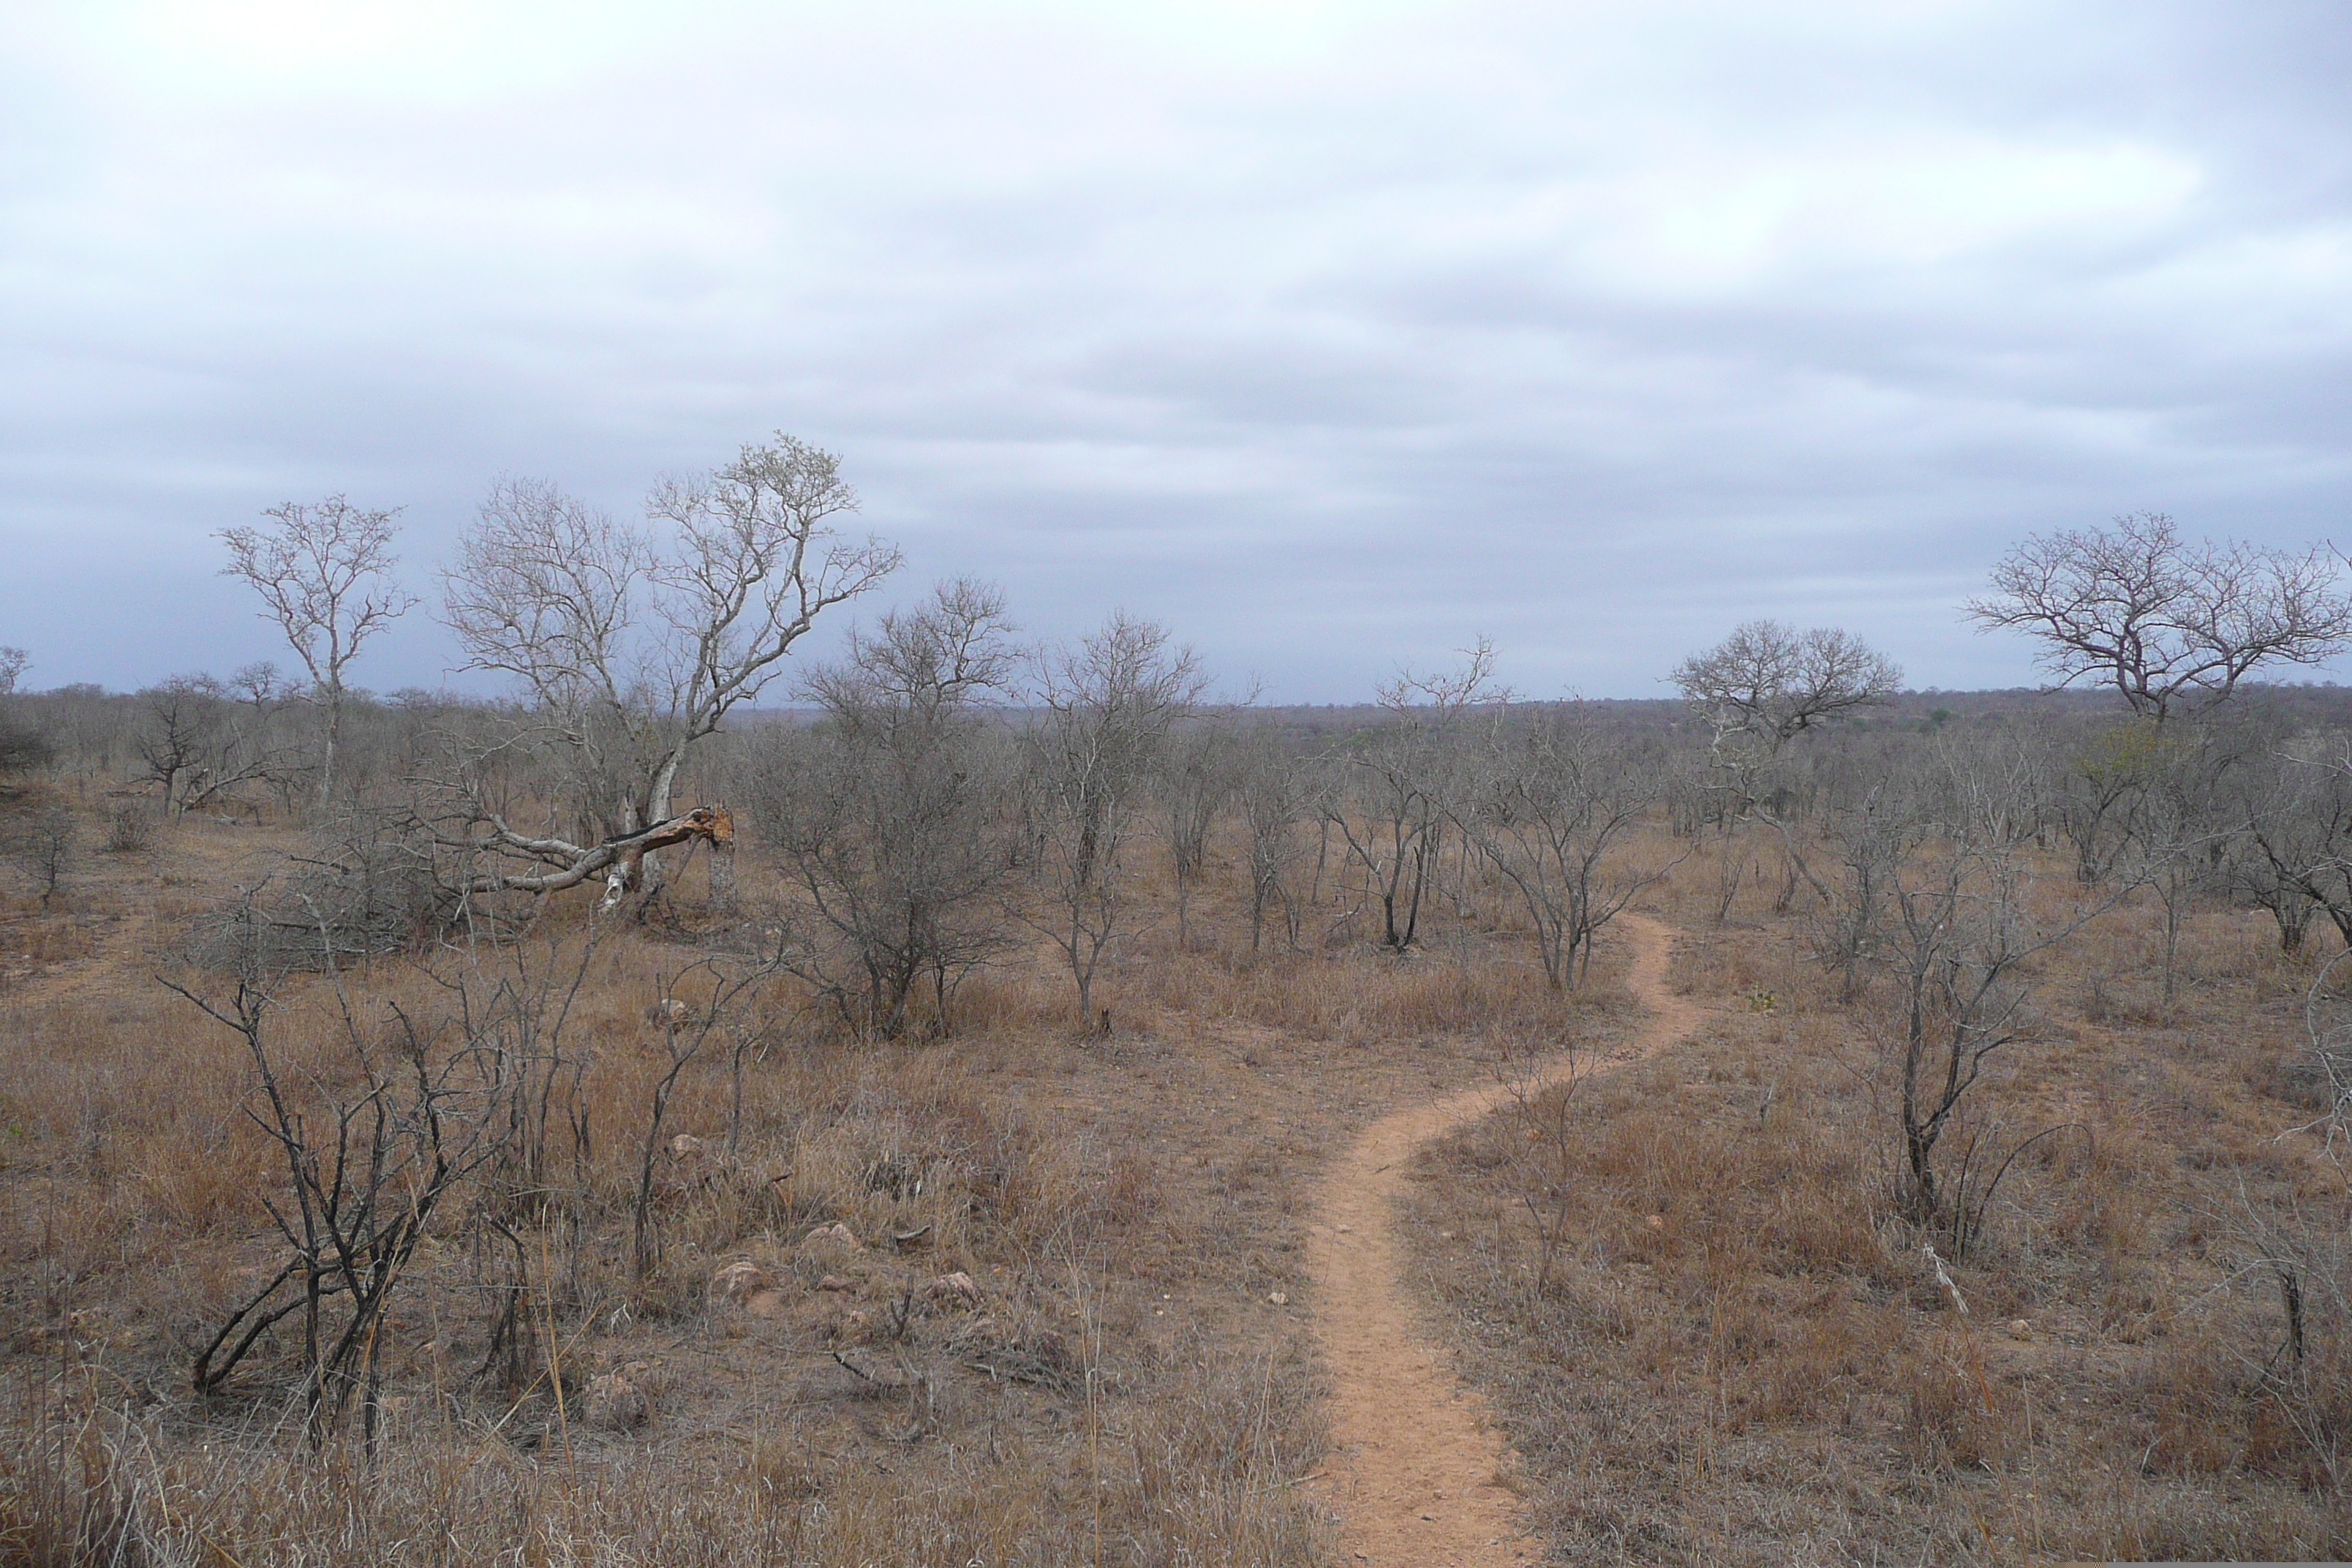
x=1416 y=1473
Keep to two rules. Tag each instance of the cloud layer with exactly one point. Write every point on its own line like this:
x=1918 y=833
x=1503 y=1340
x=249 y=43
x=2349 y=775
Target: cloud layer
x=1333 y=335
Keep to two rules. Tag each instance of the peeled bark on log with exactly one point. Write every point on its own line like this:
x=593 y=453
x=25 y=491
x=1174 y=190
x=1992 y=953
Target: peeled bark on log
x=616 y=860
x=713 y=824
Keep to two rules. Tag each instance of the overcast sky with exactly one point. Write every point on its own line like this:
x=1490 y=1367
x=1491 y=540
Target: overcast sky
x=1332 y=336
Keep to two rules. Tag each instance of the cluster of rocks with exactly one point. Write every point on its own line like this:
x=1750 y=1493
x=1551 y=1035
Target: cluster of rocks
x=839 y=1287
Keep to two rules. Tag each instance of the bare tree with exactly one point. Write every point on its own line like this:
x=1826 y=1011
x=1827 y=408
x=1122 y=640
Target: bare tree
x=891 y=815
x=1757 y=691
x=48 y=844
x=196 y=747
x=22 y=745
x=2182 y=826
x=634 y=647
x=1767 y=682
x=2292 y=814
x=1104 y=707
x=2167 y=622
x=732 y=987
x=1277 y=790
x=1955 y=919
x=1196 y=777
x=2297 y=833
x=368 y=1161
x=323 y=573
x=1552 y=797
x=1392 y=815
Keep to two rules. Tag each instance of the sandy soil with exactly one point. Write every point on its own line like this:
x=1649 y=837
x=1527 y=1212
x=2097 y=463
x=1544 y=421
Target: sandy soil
x=1419 y=1472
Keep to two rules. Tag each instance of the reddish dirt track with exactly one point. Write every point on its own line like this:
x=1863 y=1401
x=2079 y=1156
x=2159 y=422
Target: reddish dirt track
x=1417 y=1477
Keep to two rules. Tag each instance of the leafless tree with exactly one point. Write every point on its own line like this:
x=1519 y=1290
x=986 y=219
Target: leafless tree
x=1196 y=779
x=1102 y=709
x=2293 y=815
x=48 y=844
x=1277 y=790
x=891 y=816
x=367 y=1164
x=2182 y=826
x=2167 y=622
x=1551 y=798
x=2103 y=793
x=1954 y=922
x=323 y=571
x=2298 y=831
x=22 y=745
x=1767 y=682
x=1390 y=813
x=196 y=746
x=1757 y=691
x=13 y=662
x=634 y=646
x=730 y=988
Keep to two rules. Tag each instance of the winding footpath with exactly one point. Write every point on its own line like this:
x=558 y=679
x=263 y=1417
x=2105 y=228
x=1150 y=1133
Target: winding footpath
x=1416 y=1477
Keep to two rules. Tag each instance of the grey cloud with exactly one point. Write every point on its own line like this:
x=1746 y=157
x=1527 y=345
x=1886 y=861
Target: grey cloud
x=1591 y=330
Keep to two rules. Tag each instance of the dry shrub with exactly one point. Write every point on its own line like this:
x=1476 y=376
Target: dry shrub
x=130 y=828
x=1201 y=1473
x=1958 y=1418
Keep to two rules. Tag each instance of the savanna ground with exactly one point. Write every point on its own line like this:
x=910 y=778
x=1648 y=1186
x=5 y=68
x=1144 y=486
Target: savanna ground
x=1729 y=1349
x=1129 y=1378
x=1686 y=1285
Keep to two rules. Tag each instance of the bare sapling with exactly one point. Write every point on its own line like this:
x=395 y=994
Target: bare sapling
x=732 y=987
x=892 y=817
x=1395 y=780
x=1959 y=917
x=367 y=1164
x=1104 y=708
x=1277 y=792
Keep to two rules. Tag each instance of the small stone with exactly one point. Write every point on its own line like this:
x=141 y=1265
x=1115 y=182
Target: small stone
x=614 y=1403
x=956 y=1289
x=1657 y=1222
x=836 y=1282
x=833 y=1238
x=686 y=1146
x=2018 y=1329
x=1280 y=1297
x=738 y=1281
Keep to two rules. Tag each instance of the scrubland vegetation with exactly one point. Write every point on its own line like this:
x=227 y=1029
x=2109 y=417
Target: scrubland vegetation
x=424 y=1139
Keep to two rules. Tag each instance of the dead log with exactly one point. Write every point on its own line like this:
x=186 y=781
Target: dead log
x=616 y=860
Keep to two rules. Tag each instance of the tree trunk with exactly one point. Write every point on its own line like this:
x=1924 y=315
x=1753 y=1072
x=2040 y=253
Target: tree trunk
x=334 y=736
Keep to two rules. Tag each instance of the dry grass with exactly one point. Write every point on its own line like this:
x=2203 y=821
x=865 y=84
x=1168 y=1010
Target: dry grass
x=1120 y=1386
x=1730 y=1353
x=1738 y=1354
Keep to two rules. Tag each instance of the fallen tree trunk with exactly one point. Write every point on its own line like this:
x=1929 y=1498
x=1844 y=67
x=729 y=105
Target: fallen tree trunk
x=616 y=860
